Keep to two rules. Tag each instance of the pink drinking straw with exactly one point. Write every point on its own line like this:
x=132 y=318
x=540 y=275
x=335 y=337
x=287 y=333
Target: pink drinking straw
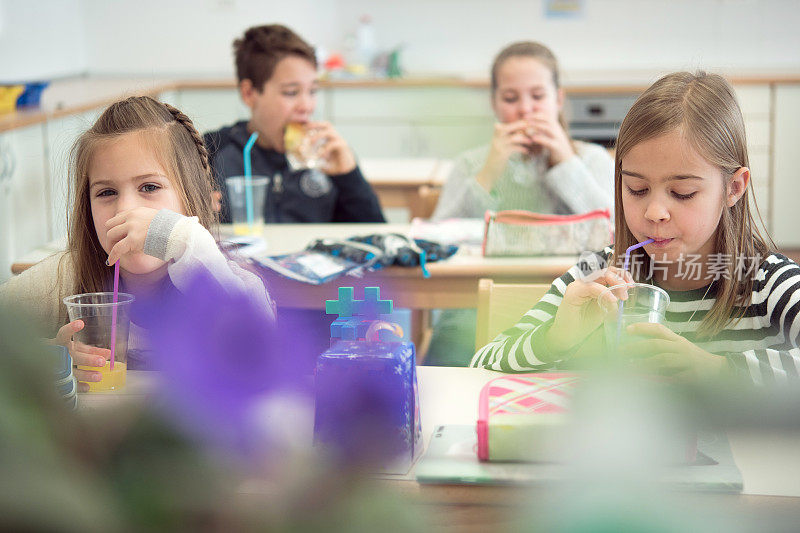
x=114 y=314
x=625 y=268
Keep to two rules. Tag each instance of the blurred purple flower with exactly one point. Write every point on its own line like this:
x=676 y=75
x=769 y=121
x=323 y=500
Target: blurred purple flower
x=220 y=358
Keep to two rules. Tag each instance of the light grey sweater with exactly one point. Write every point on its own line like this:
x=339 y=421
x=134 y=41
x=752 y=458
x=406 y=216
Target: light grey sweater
x=581 y=183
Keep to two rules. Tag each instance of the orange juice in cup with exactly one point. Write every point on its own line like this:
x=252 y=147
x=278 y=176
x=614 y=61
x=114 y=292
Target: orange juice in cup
x=96 y=310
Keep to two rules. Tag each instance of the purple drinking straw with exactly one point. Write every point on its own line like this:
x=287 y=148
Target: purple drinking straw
x=114 y=314
x=631 y=248
x=625 y=269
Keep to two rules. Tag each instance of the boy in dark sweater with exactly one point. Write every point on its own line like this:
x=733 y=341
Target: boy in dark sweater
x=277 y=73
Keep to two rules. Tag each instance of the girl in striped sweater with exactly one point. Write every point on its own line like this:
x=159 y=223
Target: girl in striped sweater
x=682 y=179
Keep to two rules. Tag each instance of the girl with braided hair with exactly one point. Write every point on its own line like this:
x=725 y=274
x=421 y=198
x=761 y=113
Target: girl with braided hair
x=141 y=195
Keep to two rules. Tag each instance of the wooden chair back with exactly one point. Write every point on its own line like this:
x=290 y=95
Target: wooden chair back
x=500 y=306
x=427 y=198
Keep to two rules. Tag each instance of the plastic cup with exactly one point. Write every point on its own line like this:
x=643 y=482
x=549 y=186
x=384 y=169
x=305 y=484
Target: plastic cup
x=640 y=303
x=237 y=200
x=95 y=309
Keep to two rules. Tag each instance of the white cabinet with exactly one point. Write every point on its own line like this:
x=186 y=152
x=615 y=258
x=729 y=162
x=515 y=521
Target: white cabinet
x=7 y=233
x=24 y=218
x=756 y=104
x=375 y=121
x=410 y=121
x=786 y=150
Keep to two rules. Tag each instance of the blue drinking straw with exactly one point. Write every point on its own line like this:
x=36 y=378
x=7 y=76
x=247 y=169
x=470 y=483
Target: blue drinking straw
x=625 y=268
x=248 y=178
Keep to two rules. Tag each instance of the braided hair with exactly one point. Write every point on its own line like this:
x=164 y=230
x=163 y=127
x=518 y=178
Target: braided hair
x=186 y=122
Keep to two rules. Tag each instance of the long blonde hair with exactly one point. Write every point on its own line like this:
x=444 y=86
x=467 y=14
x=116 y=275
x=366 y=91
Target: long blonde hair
x=704 y=106
x=177 y=146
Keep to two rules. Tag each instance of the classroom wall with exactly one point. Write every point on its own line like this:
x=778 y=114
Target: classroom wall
x=41 y=39
x=453 y=36
x=52 y=38
x=155 y=37
x=612 y=34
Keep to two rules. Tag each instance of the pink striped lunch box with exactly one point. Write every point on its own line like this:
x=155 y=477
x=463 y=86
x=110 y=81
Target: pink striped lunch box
x=508 y=405
x=521 y=417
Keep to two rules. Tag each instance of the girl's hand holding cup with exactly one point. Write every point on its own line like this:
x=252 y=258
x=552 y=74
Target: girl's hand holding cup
x=127 y=231
x=663 y=351
x=579 y=313
x=82 y=354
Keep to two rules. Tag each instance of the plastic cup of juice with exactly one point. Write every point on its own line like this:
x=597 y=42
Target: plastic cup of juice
x=96 y=311
x=237 y=200
x=640 y=303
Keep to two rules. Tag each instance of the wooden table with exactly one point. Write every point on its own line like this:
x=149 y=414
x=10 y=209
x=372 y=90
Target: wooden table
x=452 y=284
x=769 y=463
x=406 y=182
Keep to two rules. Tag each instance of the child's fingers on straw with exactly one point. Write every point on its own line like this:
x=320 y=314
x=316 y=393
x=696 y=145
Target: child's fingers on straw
x=608 y=301
x=118 y=219
x=614 y=276
x=609 y=278
x=626 y=276
x=592 y=291
x=65 y=332
x=622 y=275
x=621 y=290
x=117 y=233
x=118 y=250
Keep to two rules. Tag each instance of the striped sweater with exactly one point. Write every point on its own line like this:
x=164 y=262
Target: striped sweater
x=762 y=345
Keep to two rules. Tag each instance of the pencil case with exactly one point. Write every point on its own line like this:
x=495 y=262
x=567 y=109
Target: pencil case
x=520 y=416
x=525 y=233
